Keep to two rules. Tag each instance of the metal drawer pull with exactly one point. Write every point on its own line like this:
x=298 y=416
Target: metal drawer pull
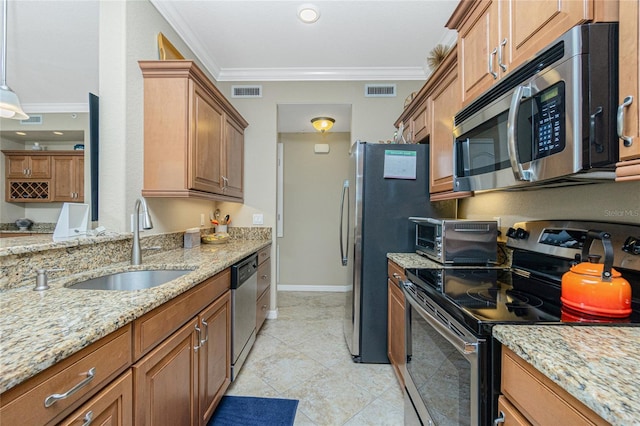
x=88 y=418
x=396 y=276
x=499 y=420
x=206 y=333
x=264 y=277
x=195 y=348
x=493 y=53
x=52 y=399
x=628 y=140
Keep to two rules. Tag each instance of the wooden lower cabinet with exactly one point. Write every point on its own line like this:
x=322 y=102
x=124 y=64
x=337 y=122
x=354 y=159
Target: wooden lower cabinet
x=396 y=344
x=181 y=381
x=264 y=286
x=537 y=399
x=214 y=359
x=111 y=406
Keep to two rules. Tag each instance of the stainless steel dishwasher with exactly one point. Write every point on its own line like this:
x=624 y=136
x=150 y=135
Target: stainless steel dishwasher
x=244 y=289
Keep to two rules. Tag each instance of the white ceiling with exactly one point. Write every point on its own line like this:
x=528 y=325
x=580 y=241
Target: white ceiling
x=52 y=49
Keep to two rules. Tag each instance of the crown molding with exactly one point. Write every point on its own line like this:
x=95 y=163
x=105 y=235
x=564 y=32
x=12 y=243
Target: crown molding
x=322 y=74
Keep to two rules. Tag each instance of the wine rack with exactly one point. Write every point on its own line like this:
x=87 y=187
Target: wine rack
x=28 y=190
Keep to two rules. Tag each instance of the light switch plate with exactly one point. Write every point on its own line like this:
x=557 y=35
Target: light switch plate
x=258 y=219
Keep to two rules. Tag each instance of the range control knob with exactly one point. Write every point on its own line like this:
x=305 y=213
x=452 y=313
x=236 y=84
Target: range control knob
x=632 y=245
x=511 y=232
x=521 y=234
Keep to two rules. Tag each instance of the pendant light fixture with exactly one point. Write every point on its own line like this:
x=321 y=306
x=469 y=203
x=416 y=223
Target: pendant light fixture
x=322 y=124
x=9 y=102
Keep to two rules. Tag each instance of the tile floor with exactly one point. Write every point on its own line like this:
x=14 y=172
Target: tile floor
x=303 y=355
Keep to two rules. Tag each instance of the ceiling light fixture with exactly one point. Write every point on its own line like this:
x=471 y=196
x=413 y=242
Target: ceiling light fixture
x=322 y=124
x=58 y=133
x=308 y=13
x=9 y=102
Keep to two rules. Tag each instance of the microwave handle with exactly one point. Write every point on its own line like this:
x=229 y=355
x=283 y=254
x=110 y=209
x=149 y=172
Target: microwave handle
x=512 y=129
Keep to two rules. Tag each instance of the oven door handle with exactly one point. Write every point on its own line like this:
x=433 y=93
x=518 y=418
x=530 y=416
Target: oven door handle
x=464 y=347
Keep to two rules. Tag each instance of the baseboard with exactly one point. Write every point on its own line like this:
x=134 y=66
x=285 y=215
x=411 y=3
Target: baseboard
x=323 y=288
x=272 y=314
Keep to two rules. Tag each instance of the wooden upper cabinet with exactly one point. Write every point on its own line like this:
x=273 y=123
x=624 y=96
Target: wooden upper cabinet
x=629 y=88
x=191 y=132
x=496 y=36
x=206 y=150
x=68 y=178
x=24 y=166
x=445 y=103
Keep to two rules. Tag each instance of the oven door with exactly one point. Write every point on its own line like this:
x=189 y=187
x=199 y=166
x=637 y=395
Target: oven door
x=444 y=364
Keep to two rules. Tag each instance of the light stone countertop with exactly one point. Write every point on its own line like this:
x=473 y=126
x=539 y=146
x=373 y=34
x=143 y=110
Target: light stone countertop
x=39 y=329
x=598 y=365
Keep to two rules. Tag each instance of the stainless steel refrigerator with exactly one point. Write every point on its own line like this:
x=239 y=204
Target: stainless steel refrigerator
x=387 y=184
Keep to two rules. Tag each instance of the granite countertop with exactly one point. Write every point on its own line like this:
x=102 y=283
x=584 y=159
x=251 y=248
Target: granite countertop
x=414 y=260
x=39 y=329
x=598 y=365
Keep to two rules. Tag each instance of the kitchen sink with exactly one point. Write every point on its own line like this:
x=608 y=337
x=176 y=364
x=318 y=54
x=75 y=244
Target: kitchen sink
x=131 y=280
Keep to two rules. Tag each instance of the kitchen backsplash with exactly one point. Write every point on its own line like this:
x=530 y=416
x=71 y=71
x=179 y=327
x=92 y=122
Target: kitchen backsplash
x=18 y=264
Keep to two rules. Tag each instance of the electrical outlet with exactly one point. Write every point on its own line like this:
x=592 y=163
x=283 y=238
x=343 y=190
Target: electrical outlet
x=499 y=220
x=201 y=219
x=258 y=219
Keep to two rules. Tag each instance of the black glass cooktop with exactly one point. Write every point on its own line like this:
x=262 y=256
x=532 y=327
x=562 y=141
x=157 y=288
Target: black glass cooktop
x=480 y=298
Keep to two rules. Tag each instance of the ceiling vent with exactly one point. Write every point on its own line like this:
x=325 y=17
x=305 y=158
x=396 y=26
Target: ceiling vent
x=379 y=90
x=246 y=91
x=33 y=119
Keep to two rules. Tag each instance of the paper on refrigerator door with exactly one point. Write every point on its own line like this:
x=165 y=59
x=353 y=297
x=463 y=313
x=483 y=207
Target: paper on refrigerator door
x=400 y=164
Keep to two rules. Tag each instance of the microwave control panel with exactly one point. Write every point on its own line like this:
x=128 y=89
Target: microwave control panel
x=548 y=120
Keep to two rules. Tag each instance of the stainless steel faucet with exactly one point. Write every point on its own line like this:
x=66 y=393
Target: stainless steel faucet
x=136 y=252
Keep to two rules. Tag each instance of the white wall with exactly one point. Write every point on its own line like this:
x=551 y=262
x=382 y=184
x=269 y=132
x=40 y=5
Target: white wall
x=128 y=33
x=308 y=251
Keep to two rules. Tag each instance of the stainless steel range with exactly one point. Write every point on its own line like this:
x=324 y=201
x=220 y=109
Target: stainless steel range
x=453 y=365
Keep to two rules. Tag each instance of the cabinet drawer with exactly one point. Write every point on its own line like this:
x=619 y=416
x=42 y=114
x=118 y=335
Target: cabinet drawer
x=395 y=273
x=262 y=308
x=264 y=254
x=509 y=414
x=111 y=406
x=157 y=325
x=538 y=398
x=25 y=404
x=264 y=277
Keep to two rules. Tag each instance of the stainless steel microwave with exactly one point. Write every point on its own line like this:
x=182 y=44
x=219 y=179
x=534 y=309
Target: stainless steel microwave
x=551 y=121
x=457 y=241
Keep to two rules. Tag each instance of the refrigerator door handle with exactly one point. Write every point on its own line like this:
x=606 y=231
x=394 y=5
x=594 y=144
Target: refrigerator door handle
x=345 y=190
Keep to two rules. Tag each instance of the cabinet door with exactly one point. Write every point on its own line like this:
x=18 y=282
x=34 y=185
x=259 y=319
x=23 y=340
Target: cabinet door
x=233 y=172
x=420 y=123
x=396 y=330
x=165 y=381
x=111 y=406
x=478 y=42
x=68 y=178
x=214 y=355
x=630 y=76
x=26 y=166
x=530 y=25
x=445 y=103
x=205 y=147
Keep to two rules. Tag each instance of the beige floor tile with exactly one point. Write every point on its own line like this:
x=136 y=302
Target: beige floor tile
x=303 y=355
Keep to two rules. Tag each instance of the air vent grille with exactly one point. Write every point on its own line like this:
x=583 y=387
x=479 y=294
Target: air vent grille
x=380 y=90
x=246 y=91
x=33 y=119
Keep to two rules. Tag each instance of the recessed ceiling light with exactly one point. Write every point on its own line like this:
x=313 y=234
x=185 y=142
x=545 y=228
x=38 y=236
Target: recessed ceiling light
x=58 y=133
x=21 y=134
x=308 y=13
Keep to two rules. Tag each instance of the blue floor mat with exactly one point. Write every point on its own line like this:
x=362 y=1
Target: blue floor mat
x=252 y=411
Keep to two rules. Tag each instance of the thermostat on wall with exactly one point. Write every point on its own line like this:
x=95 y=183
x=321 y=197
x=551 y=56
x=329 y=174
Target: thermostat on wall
x=321 y=148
